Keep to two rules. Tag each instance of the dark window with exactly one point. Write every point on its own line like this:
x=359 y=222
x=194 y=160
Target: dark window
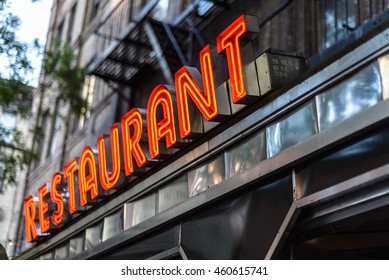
x=39 y=135
x=55 y=121
x=95 y=5
x=71 y=24
x=60 y=31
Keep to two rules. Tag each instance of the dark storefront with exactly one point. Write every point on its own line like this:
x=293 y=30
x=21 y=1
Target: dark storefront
x=299 y=172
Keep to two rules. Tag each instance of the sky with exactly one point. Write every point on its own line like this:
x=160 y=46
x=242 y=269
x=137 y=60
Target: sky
x=34 y=24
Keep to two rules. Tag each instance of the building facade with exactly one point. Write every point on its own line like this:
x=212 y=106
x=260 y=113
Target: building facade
x=14 y=127
x=293 y=165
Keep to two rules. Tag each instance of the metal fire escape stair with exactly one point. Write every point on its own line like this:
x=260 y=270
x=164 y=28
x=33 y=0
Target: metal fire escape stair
x=146 y=44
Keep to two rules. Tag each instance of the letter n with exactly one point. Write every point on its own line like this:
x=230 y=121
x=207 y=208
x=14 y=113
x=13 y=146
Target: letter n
x=165 y=127
x=201 y=91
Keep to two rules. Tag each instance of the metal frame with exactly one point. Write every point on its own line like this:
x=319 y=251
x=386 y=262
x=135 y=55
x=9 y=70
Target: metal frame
x=96 y=63
x=100 y=66
x=245 y=126
x=166 y=71
x=173 y=251
x=356 y=182
x=283 y=232
x=182 y=253
x=175 y=44
x=165 y=254
x=374 y=196
x=376 y=192
x=264 y=169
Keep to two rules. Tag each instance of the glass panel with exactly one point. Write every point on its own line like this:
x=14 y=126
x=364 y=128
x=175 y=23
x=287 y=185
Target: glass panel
x=341 y=18
x=128 y=215
x=330 y=23
x=364 y=11
x=383 y=62
x=293 y=129
x=173 y=194
x=206 y=176
x=139 y=211
x=93 y=235
x=246 y=155
x=76 y=245
x=112 y=225
x=349 y=97
x=62 y=253
x=352 y=15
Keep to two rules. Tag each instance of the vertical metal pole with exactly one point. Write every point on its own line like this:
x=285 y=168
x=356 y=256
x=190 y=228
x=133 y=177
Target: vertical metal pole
x=278 y=28
x=189 y=50
x=159 y=53
x=196 y=32
x=335 y=7
x=286 y=35
x=324 y=22
x=314 y=31
x=304 y=32
x=131 y=4
x=174 y=42
x=347 y=24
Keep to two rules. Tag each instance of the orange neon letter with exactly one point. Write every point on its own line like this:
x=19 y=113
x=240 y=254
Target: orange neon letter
x=57 y=198
x=43 y=207
x=202 y=92
x=29 y=217
x=69 y=170
x=107 y=180
x=165 y=127
x=229 y=40
x=131 y=146
x=87 y=183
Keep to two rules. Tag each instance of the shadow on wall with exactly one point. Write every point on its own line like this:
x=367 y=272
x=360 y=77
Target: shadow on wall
x=1 y=215
x=3 y=253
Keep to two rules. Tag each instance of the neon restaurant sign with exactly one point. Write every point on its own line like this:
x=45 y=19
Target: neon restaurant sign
x=95 y=179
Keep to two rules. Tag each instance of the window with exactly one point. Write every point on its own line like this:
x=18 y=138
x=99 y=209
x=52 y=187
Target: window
x=39 y=136
x=87 y=94
x=71 y=24
x=54 y=131
x=344 y=16
x=60 y=31
x=94 y=8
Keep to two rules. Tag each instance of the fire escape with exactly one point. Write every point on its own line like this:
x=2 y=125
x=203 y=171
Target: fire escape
x=134 y=38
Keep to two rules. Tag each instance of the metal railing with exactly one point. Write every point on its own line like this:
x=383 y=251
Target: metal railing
x=307 y=26
x=113 y=24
